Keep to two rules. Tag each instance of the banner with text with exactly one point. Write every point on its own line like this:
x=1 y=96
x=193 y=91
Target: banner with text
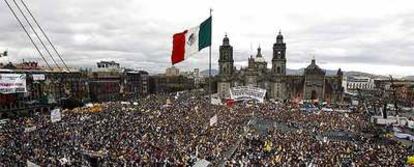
x=247 y=92
x=38 y=77
x=12 y=83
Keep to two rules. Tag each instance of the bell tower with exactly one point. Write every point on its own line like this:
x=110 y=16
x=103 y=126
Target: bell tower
x=226 y=58
x=279 y=56
x=278 y=85
x=226 y=69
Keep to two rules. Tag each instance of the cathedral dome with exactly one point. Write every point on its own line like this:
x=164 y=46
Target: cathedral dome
x=259 y=56
x=313 y=68
x=259 y=59
x=226 y=41
x=279 y=36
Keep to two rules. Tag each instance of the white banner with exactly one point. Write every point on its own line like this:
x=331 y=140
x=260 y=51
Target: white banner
x=246 y=92
x=201 y=163
x=215 y=101
x=213 y=120
x=55 y=115
x=29 y=129
x=39 y=77
x=12 y=83
x=411 y=124
x=31 y=164
x=404 y=136
x=355 y=102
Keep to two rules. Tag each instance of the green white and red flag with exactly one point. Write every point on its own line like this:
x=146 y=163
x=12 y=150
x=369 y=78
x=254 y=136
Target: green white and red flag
x=191 y=41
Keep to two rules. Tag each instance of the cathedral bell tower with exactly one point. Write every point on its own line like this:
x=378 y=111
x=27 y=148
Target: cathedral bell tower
x=226 y=69
x=278 y=85
x=226 y=58
x=279 y=56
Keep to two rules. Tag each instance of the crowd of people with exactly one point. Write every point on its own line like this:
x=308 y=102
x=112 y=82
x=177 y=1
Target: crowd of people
x=151 y=132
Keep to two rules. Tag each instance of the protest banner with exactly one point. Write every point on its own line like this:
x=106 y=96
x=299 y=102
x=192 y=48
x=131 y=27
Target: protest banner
x=213 y=120
x=31 y=164
x=38 y=77
x=12 y=83
x=29 y=129
x=241 y=93
x=201 y=163
x=215 y=101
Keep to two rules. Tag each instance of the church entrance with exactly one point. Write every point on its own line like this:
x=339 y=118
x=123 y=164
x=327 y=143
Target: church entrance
x=314 y=95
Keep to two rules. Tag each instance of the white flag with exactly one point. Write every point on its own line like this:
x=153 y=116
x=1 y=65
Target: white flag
x=213 y=120
x=31 y=164
x=215 y=101
x=201 y=163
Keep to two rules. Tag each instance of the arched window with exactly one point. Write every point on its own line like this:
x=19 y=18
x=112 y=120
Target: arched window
x=278 y=70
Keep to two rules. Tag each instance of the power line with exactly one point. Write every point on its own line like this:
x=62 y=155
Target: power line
x=27 y=33
x=44 y=34
x=37 y=35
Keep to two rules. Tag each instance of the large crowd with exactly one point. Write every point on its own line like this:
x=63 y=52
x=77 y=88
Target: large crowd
x=153 y=133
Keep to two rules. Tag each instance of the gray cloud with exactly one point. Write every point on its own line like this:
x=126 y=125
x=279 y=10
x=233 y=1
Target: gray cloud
x=138 y=34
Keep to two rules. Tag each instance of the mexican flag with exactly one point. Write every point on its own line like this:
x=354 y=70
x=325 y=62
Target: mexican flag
x=191 y=41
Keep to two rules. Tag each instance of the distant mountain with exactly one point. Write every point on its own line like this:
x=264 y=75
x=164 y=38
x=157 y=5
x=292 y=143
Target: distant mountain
x=333 y=72
x=364 y=74
x=204 y=73
x=411 y=78
x=300 y=71
x=295 y=71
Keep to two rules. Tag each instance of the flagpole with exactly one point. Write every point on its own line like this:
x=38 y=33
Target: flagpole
x=209 y=64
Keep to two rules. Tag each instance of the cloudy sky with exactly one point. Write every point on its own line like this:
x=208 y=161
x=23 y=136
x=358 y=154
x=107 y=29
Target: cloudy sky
x=372 y=36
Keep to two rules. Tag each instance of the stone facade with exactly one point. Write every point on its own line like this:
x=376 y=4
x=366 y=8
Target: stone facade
x=313 y=85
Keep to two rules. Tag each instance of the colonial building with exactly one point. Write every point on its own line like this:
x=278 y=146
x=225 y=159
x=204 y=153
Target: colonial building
x=160 y=84
x=404 y=90
x=134 y=84
x=172 y=72
x=111 y=82
x=45 y=89
x=314 y=84
x=355 y=83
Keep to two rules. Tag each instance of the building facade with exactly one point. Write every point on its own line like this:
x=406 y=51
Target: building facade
x=313 y=85
x=355 y=83
x=404 y=90
x=172 y=72
x=111 y=82
x=44 y=90
x=134 y=84
x=160 y=84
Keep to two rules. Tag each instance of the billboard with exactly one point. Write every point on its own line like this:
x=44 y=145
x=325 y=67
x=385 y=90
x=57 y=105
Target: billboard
x=247 y=92
x=12 y=83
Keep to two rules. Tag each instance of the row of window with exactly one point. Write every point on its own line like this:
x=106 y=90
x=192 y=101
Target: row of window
x=360 y=86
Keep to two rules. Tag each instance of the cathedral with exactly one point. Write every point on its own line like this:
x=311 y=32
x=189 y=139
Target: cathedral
x=313 y=85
